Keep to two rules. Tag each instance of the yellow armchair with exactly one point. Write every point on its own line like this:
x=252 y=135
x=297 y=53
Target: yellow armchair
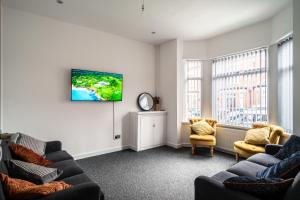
x=203 y=140
x=242 y=149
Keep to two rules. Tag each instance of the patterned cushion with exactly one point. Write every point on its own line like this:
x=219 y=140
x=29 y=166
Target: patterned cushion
x=262 y=188
x=290 y=147
x=202 y=128
x=35 y=145
x=32 y=172
x=28 y=155
x=18 y=189
x=287 y=168
x=258 y=136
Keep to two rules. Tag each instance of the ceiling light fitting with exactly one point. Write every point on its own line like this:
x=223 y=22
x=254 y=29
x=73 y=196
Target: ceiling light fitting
x=143 y=6
x=59 y=1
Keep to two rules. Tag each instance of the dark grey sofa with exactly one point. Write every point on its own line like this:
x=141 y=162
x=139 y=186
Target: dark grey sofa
x=83 y=186
x=212 y=188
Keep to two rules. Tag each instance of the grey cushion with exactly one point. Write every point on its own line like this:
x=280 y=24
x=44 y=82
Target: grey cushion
x=35 y=145
x=58 y=156
x=77 y=179
x=264 y=159
x=222 y=176
x=246 y=168
x=32 y=172
x=69 y=168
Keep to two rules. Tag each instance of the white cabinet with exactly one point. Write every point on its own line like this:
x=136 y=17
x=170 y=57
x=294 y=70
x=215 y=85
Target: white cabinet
x=147 y=130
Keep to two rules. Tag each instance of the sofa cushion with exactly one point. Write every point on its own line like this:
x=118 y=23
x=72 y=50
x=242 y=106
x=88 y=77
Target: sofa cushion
x=18 y=189
x=290 y=147
x=32 y=172
x=23 y=153
x=246 y=168
x=263 y=188
x=264 y=159
x=77 y=179
x=58 y=156
x=258 y=136
x=287 y=168
x=69 y=168
x=34 y=144
x=222 y=176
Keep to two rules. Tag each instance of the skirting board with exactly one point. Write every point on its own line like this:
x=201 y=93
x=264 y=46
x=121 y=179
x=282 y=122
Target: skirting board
x=100 y=152
x=176 y=146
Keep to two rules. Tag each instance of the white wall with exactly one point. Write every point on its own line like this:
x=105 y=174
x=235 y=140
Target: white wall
x=282 y=23
x=195 y=50
x=167 y=88
x=39 y=53
x=249 y=37
x=296 y=73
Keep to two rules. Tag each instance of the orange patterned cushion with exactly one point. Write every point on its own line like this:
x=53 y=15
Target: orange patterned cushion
x=28 y=155
x=18 y=189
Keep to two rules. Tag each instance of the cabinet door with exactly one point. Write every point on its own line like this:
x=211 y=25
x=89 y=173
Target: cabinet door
x=146 y=131
x=159 y=130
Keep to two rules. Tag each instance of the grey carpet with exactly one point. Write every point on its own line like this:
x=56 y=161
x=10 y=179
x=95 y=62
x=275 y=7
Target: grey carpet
x=162 y=173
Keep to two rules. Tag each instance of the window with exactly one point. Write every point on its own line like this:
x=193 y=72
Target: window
x=240 y=88
x=193 y=74
x=285 y=84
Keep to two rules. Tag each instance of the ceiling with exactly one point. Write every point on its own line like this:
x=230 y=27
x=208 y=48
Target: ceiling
x=170 y=19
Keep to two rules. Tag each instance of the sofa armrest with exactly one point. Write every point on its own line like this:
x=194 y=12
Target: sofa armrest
x=90 y=191
x=208 y=188
x=272 y=149
x=53 y=146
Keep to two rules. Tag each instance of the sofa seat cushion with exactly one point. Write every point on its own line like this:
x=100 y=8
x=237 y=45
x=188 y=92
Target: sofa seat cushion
x=58 y=156
x=69 y=168
x=264 y=159
x=246 y=168
x=222 y=176
x=249 y=147
x=77 y=179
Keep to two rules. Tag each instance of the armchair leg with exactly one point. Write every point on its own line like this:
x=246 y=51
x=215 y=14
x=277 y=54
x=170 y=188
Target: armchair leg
x=212 y=151
x=237 y=157
x=193 y=149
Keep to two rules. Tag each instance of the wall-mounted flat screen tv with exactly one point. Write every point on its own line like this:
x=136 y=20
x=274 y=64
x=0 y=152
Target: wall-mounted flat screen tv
x=96 y=86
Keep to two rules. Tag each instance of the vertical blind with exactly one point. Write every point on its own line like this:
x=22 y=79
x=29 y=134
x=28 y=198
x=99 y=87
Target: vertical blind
x=193 y=75
x=240 y=88
x=285 y=84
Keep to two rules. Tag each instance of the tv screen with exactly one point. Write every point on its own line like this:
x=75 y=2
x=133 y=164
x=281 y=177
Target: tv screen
x=96 y=86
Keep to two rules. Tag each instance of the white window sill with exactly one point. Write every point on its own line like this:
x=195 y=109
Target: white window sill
x=223 y=126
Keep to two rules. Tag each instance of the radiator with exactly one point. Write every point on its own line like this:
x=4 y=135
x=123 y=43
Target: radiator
x=227 y=136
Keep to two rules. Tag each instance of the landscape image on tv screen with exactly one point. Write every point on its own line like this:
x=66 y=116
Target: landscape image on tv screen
x=96 y=86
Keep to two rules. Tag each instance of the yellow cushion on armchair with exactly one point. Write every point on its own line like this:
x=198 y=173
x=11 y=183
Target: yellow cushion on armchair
x=202 y=128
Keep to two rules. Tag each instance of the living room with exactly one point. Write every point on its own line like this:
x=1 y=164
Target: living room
x=221 y=61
